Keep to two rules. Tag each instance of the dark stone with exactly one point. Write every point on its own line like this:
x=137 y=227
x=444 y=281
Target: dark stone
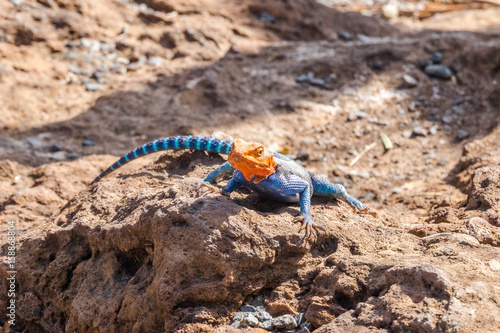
x=436 y=58
x=88 y=143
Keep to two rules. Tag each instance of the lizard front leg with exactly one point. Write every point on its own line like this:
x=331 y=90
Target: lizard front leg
x=305 y=205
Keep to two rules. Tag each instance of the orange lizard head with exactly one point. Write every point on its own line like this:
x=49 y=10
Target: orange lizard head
x=253 y=160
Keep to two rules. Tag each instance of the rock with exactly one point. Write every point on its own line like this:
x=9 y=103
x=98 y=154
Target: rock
x=85 y=43
x=419 y=131
x=249 y=320
x=438 y=71
x=462 y=134
x=436 y=58
x=390 y=11
x=485 y=190
x=88 y=143
x=258 y=301
x=410 y=81
x=284 y=322
x=267 y=325
x=72 y=156
x=73 y=68
x=480 y=229
x=55 y=148
x=155 y=61
x=354 y=115
x=377 y=65
x=299 y=318
x=433 y=130
x=412 y=106
x=264 y=316
x=248 y=308
x=93 y=86
x=345 y=36
x=461 y=100
x=267 y=18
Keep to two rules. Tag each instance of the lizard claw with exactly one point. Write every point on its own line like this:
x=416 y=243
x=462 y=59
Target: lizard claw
x=170 y=181
x=211 y=187
x=310 y=228
x=360 y=208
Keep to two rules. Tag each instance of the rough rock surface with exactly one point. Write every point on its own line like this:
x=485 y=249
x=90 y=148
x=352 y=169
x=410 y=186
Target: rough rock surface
x=80 y=80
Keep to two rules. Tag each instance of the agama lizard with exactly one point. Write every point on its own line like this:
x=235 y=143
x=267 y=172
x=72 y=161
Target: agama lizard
x=270 y=174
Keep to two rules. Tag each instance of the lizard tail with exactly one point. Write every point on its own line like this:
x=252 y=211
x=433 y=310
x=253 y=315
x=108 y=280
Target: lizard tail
x=176 y=142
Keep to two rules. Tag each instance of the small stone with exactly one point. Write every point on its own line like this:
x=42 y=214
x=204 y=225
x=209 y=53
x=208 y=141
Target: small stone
x=397 y=190
x=247 y=308
x=436 y=58
x=442 y=161
x=88 y=143
x=72 y=55
x=93 y=86
x=258 y=301
x=249 y=320
x=72 y=156
x=236 y=324
x=412 y=106
x=73 y=68
x=267 y=325
x=433 y=130
x=390 y=11
x=461 y=100
x=401 y=111
x=353 y=152
x=284 y=322
x=410 y=81
x=123 y=61
x=357 y=115
x=267 y=18
x=155 y=61
x=345 y=36
x=439 y=72
x=264 y=316
x=299 y=318
x=16 y=2
x=421 y=99
x=302 y=155
x=364 y=174
x=419 y=131
x=407 y=134
x=458 y=109
x=85 y=42
x=377 y=65
x=462 y=134
x=55 y=148
x=95 y=47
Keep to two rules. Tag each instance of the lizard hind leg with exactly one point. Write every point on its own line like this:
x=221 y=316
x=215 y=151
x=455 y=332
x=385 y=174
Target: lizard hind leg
x=323 y=187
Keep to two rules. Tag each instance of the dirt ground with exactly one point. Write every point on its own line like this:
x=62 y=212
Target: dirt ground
x=82 y=83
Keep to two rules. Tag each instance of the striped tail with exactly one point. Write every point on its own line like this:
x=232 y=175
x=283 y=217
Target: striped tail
x=177 y=142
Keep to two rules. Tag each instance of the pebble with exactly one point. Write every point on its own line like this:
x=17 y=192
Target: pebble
x=85 y=42
x=303 y=155
x=93 y=86
x=86 y=80
x=258 y=301
x=17 y=2
x=284 y=322
x=377 y=65
x=407 y=134
x=458 y=109
x=433 y=130
x=436 y=58
x=155 y=61
x=55 y=148
x=461 y=100
x=33 y=142
x=462 y=134
x=249 y=320
x=401 y=111
x=353 y=152
x=364 y=174
x=267 y=325
x=88 y=143
x=264 y=316
x=397 y=190
x=304 y=328
x=72 y=55
x=356 y=115
x=410 y=81
x=438 y=71
x=345 y=36
x=390 y=11
x=419 y=131
x=248 y=308
x=73 y=68
x=299 y=318
x=267 y=18
x=72 y=156
x=412 y=106
x=95 y=47
x=442 y=161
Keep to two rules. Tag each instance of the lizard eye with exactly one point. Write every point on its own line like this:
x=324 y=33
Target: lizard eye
x=260 y=152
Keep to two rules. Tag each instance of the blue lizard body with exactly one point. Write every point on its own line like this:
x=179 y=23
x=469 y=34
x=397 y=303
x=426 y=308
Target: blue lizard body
x=289 y=183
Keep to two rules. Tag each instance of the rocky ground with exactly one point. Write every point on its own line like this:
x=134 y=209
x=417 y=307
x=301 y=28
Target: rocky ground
x=85 y=82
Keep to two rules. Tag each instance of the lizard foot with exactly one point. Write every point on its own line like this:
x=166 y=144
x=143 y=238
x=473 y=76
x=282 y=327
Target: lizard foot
x=170 y=181
x=358 y=207
x=310 y=228
x=212 y=188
